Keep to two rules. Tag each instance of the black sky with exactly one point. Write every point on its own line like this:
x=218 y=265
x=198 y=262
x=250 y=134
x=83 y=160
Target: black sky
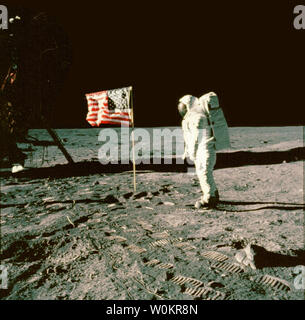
x=247 y=52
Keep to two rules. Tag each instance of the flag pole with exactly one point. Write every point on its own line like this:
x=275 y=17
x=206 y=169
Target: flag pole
x=133 y=145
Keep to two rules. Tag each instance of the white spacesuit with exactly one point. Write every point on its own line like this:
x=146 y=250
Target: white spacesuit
x=198 y=127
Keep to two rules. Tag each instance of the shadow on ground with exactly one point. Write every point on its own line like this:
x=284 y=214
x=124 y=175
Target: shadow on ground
x=268 y=259
x=267 y=205
x=224 y=160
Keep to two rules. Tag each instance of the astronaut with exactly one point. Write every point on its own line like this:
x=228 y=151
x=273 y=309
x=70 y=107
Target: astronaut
x=204 y=130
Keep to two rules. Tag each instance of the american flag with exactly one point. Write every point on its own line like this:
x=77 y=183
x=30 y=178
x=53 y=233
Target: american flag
x=109 y=107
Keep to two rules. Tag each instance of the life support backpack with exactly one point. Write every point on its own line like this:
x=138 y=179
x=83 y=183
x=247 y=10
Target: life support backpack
x=217 y=120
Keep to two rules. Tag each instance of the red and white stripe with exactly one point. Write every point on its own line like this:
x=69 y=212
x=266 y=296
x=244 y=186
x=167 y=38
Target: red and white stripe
x=99 y=113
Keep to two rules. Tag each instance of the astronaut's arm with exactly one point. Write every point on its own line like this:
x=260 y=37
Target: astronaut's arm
x=185 y=137
x=193 y=143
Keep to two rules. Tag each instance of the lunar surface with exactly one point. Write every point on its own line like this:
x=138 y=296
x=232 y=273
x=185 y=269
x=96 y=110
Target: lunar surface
x=81 y=232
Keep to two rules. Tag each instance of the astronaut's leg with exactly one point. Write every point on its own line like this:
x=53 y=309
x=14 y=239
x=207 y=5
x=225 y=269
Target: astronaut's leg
x=204 y=163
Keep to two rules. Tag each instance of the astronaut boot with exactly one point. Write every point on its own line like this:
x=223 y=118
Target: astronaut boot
x=199 y=204
x=210 y=204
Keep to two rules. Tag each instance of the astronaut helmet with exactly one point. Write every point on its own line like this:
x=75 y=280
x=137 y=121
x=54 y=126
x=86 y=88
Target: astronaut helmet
x=186 y=103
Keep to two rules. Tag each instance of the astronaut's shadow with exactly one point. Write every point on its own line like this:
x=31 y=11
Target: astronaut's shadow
x=244 y=158
x=222 y=205
x=268 y=259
